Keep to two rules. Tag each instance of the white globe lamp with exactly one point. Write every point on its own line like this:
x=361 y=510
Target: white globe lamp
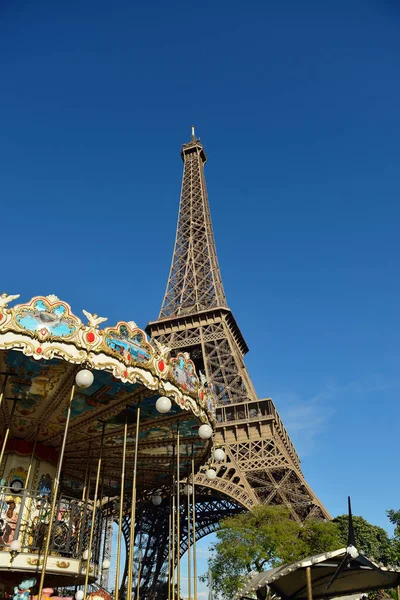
x=219 y=454
x=84 y=378
x=156 y=500
x=187 y=490
x=79 y=595
x=163 y=405
x=85 y=555
x=211 y=474
x=106 y=564
x=352 y=551
x=205 y=432
x=15 y=546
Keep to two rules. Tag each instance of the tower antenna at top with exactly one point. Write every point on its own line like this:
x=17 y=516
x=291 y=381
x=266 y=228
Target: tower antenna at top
x=193 y=134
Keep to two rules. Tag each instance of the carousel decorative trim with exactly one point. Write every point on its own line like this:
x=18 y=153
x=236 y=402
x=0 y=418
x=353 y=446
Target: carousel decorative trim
x=45 y=328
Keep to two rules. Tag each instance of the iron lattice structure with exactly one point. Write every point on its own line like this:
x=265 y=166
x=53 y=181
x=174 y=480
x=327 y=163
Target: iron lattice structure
x=261 y=463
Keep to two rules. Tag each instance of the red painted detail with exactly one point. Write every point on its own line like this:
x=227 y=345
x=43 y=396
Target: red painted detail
x=128 y=356
x=24 y=448
x=1 y=316
x=125 y=373
x=202 y=395
x=90 y=337
x=184 y=386
x=39 y=350
x=161 y=365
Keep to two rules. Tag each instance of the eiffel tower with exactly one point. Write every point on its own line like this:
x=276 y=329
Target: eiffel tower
x=261 y=465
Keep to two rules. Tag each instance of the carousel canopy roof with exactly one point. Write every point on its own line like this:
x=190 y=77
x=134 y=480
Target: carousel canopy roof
x=42 y=347
x=289 y=581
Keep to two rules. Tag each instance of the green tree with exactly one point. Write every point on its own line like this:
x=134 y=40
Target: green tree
x=371 y=540
x=394 y=518
x=263 y=538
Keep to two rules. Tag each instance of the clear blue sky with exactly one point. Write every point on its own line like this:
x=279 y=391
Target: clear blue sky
x=297 y=105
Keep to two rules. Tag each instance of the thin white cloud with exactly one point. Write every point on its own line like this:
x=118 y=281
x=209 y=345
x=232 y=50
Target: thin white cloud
x=306 y=418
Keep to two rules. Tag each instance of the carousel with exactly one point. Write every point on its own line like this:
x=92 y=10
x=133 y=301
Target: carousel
x=92 y=422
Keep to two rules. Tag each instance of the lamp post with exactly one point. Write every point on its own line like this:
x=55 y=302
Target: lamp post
x=309 y=585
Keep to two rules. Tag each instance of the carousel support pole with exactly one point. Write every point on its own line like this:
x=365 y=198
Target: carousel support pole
x=101 y=524
x=32 y=458
x=133 y=509
x=139 y=574
x=309 y=586
x=188 y=550
x=56 y=484
x=25 y=494
x=121 y=502
x=178 y=517
x=173 y=527
x=139 y=567
x=86 y=479
x=106 y=550
x=194 y=532
x=169 y=550
x=398 y=592
x=93 y=523
x=85 y=500
x=7 y=432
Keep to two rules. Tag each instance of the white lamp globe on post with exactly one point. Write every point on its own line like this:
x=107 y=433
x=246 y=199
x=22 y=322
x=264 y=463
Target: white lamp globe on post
x=79 y=595
x=156 y=500
x=187 y=490
x=84 y=378
x=219 y=455
x=106 y=564
x=163 y=405
x=205 y=432
x=15 y=546
x=85 y=555
x=352 y=551
x=211 y=474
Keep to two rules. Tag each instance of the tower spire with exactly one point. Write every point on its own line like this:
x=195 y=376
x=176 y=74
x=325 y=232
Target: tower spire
x=194 y=282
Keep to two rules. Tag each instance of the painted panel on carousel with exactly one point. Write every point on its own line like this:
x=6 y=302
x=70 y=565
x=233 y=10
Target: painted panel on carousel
x=35 y=382
x=47 y=316
x=184 y=373
x=128 y=343
x=105 y=391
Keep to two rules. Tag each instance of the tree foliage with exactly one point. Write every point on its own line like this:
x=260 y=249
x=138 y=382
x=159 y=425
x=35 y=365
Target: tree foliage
x=394 y=518
x=267 y=537
x=263 y=538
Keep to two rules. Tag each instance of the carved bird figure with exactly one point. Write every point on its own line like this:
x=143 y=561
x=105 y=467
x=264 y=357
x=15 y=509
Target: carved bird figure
x=203 y=379
x=94 y=320
x=5 y=299
x=163 y=350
